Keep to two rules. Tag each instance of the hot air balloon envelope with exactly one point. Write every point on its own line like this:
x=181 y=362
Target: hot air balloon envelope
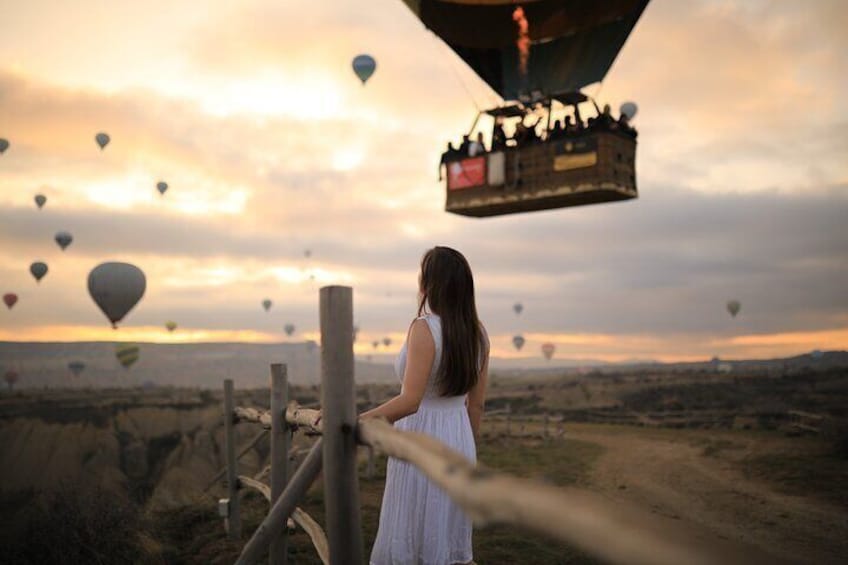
x=102 y=139
x=38 y=270
x=64 y=239
x=76 y=367
x=629 y=109
x=40 y=199
x=161 y=187
x=518 y=307
x=4 y=145
x=289 y=329
x=364 y=66
x=170 y=326
x=548 y=350
x=267 y=304
x=127 y=354
x=733 y=306
x=116 y=288
x=10 y=298
x=518 y=342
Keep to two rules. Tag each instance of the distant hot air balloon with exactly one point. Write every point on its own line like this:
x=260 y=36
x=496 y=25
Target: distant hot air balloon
x=127 y=353
x=355 y=331
x=311 y=345
x=4 y=145
x=64 y=239
x=11 y=377
x=307 y=253
x=10 y=298
x=548 y=350
x=628 y=109
x=38 y=270
x=733 y=307
x=102 y=139
x=116 y=288
x=387 y=341
x=170 y=325
x=289 y=329
x=76 y=367
x=518 y=307
x=518 y=342
x=162 y=186
x=375 y=343
x=267 y=304
x=364 y=66
x=40 y=199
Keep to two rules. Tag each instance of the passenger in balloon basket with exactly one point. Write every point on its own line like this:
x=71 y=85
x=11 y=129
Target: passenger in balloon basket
x=498 y=136
x=451 y=154
x=477 y=147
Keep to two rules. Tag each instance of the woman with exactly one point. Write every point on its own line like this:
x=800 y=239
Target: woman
x=443 y=366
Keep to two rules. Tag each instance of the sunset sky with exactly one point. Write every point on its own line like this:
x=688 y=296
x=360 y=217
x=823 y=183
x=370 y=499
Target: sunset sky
x=271 y=146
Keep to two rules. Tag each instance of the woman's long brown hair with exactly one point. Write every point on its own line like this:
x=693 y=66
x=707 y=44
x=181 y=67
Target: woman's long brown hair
x=447 y=286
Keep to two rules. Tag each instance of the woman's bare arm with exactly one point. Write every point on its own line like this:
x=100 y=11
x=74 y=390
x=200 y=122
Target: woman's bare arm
x=420 y=354
x=477 y=395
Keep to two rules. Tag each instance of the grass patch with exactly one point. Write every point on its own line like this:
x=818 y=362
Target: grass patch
x=819 y=474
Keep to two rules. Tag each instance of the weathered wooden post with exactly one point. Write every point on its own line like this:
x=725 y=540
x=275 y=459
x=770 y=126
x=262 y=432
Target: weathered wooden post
x=279 y=453
x=338 y=403
x=369 y=470
x=508 y=418
x=232 y=506
x=545 y=435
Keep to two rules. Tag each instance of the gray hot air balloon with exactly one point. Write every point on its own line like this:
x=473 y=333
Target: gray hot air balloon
x=518 y=342
x=40 y=199
x=161 y=186
x=76 y=367
x=364 y=66
x=64 y=239
x=38 y=270
x=267 y=304
x=4 y=145
x=518 y=307
x=116 y=288
x=629 y=109
x=733 y=307
x=289 y=329
x=102 y=139
x=387 y=341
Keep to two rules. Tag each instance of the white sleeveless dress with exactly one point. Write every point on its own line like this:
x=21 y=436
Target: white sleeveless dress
x=419 y=523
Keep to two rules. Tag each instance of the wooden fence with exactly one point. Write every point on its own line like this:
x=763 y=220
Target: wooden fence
x=589 y=523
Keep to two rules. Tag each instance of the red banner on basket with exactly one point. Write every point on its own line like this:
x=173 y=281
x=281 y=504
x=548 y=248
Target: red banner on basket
x=466 y=173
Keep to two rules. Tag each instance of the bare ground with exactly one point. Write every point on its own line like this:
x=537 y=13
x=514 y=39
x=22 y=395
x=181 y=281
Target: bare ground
x=709 y=500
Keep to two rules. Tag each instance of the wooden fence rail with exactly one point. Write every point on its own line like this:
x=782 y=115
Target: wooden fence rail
x=595 y=525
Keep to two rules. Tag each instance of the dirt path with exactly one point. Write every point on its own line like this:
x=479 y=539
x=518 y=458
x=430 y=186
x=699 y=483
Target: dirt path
x=711 y=502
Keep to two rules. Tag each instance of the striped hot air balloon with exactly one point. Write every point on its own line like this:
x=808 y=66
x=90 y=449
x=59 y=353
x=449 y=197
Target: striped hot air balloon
x=127 y=354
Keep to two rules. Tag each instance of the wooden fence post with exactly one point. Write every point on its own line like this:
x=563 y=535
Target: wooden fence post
x=338 y=403
x=546 y=426
x=508 y=418
x=233 y=516
x=279 y=453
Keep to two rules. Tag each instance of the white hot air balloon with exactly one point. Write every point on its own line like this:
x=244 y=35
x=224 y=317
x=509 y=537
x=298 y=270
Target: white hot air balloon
x=628 y=109
x=116 y=288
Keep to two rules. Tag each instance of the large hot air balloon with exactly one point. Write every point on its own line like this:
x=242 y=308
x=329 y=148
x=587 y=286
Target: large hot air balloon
x=11 y=377
x=4 y=145
x=127 y=353
x=518 y=342
x=364 y=66
x=267 y=304
x=548 y=350
x=116 y=288
x=10 y=298
x=518 y=307
x=64 y=239
x=537 y=55
x=38 y=270
x=76 y=367
x=162 y=186
x=289 y=329
x=733 y=307
x=170 y=325
x=40 y=199
x=387 y=341
x=102 y=139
